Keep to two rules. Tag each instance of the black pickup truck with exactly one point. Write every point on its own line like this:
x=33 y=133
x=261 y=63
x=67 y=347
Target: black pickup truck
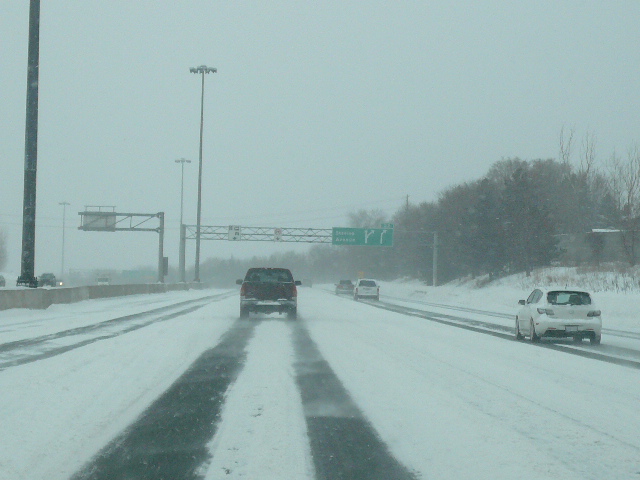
x=268 y=290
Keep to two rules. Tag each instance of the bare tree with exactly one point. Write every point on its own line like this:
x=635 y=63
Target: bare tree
x=565 y=145
x=630 y=181
x=367 y=218
x=613 y=168
x=588 y=157
x=624 y=183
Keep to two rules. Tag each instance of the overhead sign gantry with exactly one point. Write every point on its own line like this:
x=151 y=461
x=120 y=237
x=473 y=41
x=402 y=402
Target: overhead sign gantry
x=106 y=219
x=375 y=237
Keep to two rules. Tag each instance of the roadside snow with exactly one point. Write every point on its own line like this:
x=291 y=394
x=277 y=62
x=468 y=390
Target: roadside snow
x=20 y=323
x=449 y=403
x=619 y=310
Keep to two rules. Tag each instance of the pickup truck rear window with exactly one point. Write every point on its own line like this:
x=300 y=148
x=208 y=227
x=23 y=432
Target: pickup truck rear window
x=271 y=275
x=367 y=283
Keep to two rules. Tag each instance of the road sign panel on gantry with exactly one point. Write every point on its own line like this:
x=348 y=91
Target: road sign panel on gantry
x=370 y=237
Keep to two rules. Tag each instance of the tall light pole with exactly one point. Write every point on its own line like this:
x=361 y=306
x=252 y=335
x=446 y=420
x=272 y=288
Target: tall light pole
x=64 y=217
x=181 y=161
x=202 y=70
x=27 y=277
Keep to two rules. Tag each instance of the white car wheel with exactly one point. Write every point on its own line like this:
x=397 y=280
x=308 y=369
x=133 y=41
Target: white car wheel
x=534 y=338
x=519 y=335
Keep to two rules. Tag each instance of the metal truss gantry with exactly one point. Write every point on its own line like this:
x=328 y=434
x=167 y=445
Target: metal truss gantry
x=260 y=234
x=236 y=233
x=106 y=219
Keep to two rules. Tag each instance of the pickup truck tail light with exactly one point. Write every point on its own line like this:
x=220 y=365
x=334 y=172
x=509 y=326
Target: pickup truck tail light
x=294 y=292
x=593 y=313
x=243 y=290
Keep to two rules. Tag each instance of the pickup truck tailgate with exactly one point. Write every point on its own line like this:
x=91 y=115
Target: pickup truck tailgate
x=268 y=290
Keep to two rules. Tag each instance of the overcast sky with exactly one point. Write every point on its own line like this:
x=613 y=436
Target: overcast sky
x=318 y=108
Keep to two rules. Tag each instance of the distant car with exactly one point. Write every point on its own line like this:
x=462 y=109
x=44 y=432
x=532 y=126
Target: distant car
x=2 y=281
x=559 y=313
x=366 y=288
x=344 y=287
x=47 y=280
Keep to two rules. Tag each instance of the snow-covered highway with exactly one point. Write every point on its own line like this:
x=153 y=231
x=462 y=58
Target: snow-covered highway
x=346 y=391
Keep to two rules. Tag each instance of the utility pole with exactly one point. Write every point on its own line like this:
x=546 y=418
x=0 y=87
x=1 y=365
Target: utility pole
x=181 y=259
x=161 y=248
x=64 y=223
x=27 y=277
x=182 y=161
x=435 y=259
x=202 y=69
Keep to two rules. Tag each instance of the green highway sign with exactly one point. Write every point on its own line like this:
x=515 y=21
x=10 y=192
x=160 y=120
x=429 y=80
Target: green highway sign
x=371 y=237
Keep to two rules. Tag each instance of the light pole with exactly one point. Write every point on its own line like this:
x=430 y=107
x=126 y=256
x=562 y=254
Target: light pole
x=202 y=70
x=181 y=161
x=27 y=277
x=64 y=217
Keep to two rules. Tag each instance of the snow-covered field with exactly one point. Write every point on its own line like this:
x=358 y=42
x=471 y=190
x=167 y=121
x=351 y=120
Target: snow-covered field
x=449 y=403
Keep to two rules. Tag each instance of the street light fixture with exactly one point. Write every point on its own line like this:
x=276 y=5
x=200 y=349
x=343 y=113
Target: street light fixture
x=181 y=161
x=202 y=70
x=64 y=216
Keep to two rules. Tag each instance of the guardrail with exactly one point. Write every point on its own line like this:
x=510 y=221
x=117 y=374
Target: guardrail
x=42 y=298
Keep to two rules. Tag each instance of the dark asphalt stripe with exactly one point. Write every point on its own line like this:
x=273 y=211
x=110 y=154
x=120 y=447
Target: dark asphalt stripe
x=344 y=445
x=169 y=440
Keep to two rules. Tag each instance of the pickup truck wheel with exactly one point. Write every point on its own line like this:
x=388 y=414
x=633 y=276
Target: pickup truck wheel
x=244 y=313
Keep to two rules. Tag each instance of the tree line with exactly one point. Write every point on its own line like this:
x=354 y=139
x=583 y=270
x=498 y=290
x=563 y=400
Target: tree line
x=503 y=223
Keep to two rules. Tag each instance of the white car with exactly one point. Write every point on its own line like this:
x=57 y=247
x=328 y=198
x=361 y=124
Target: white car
x=366 y=288
x=559 y=313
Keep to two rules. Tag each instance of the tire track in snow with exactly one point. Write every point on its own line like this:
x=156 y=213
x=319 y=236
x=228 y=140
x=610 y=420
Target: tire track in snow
x=169 y=440
x=262 y=432
x=497 y=331
x=31 y=350
x=344 y=445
